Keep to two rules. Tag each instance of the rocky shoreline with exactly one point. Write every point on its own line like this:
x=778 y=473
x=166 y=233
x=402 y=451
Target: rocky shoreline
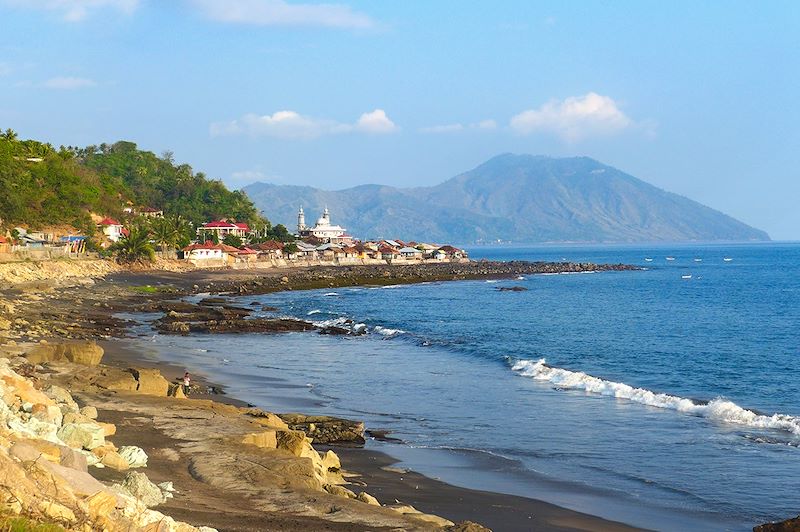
x=259 y=467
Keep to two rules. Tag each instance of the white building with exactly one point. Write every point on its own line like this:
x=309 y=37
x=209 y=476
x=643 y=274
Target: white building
x=323 y=229
x=112 y=229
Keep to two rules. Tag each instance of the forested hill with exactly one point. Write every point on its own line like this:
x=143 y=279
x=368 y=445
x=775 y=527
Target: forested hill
x=43 y=186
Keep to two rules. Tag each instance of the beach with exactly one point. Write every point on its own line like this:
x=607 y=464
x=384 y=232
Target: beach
x=98 y=310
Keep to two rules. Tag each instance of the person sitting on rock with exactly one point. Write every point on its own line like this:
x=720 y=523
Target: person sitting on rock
x=187 y=380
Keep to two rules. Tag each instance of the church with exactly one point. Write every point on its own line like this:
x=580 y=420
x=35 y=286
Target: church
x=323 y=229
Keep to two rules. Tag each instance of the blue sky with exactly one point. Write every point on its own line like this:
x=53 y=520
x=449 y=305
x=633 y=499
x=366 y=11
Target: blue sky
x=699 y=98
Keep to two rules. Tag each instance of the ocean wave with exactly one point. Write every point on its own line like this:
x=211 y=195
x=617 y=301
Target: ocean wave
x=333 y=322
x=329 y=294
x=718 y=410
x=312 y=312
x=385 y=331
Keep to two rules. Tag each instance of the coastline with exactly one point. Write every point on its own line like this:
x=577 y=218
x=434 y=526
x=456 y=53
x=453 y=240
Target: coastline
x=512 y=513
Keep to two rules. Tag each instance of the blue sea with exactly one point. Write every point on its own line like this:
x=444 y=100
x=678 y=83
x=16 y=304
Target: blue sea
x=667 y=398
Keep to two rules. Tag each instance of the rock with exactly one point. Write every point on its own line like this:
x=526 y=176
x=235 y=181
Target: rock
x=109 y=429
x=291 y=440
x=789 y=525
x=73 y=459
x=101 y=504
x=264 y=440
x=135 y=456
x=367 y=498
x=75 y=417
x=150 y=382
x=82 y=483
x=339 y=491
x=89 y=412
x=327 y=429
x=176 y=391
x=85 y=353
x=468 y=526
x=512 y=289
x=115 y=461
x=56 y=511
x=82 y=435
x=117 y=381
x=267 y=419
x=139 y=486
x=47 y=414
x=60 y=395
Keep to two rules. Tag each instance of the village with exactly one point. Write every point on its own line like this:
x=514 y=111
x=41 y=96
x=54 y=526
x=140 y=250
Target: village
x=226 y=243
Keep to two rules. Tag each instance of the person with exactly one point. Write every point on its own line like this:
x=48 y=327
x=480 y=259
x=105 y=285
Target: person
x=187 y=380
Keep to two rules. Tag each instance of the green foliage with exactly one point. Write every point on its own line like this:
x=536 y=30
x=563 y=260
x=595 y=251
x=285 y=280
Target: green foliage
x=42 y=186
x=291 y=247
x=25 y=524
x=134 y=248
x=232 y=240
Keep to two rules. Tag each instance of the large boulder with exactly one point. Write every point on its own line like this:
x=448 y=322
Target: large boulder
x=82 y=435
x=135 y=456
x=85 y=353
x=789 y=525
x=150 y=382
x=139 y=486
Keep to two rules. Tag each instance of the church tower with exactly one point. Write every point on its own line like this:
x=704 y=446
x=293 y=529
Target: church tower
x=301 y=220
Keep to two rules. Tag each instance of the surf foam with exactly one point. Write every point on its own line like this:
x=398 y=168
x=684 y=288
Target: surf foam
x=718 y=410
x=385 y=331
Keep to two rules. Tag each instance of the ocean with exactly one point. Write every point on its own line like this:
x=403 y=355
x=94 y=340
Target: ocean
x=665 y=398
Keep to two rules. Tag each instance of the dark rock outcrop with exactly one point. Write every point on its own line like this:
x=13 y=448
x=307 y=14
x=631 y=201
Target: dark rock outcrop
x=327 y=429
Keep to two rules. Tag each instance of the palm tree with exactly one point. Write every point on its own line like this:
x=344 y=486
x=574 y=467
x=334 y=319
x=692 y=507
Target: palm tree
x=165 y=233
x=9 y=135
x=134 y=247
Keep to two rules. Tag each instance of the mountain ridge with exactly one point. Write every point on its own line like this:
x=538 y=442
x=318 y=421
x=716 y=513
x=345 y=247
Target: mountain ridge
x=522 y=198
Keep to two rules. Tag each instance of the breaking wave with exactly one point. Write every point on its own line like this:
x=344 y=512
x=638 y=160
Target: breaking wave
x=718 y=410
x=312 y=312
x=385 y=331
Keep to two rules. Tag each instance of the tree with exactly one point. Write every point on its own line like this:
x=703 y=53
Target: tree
x=135 y=247
x=232 y=240
x=164 y=233
x=10 y=135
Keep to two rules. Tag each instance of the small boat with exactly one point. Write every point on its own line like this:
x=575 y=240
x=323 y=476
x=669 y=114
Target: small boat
x=648 y=259
x=689 y=276
x=670 y=258
x=727 y=259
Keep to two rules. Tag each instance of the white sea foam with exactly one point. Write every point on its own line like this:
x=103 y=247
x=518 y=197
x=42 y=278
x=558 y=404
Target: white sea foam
x=385 y=331
x=334 y=322
x=331 y=294
x=493 y=281
x=718 y=410
x=312 y=312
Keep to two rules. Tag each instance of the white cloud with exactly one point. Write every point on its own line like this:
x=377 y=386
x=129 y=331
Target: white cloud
x=375 y=122
x=292 y=125
x=282 y=13
x=75 y=10
x=68 y=83
x=457 y=127
x=574 y=118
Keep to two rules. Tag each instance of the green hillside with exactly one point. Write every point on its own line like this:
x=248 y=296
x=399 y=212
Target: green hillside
x=44 y=186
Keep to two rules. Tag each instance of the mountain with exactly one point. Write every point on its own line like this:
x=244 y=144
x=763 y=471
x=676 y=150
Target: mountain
x=522 y=198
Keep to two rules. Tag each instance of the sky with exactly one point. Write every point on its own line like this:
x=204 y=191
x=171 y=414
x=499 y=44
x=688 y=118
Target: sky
x=698 y=98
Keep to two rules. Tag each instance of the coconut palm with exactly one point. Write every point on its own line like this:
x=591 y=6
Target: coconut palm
x=134 y=247
x=164 y=233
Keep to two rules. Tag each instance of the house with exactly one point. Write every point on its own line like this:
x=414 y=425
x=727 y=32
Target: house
x=329 y=251
x=246 y=254
x=113 y=230
x=388 y=252
x=5 y=245
x=410 y=253
x=222 y=228
x=453 y=252
x=270 y=248
x=210 y=253
x=150 y=212
x=306 y=250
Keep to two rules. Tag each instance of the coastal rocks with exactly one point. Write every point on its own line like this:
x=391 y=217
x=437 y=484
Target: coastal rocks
x=256 y=325
x=85 y=353
x=264 y=440
x=134 y=456
x=116 y=380
x=367 y=498
x=512 y=289
x=139 y=486
x=82 y=435
x=150 y=382
x=790 y=525
x=406 y=509
x=327 y=429
x=339 y=491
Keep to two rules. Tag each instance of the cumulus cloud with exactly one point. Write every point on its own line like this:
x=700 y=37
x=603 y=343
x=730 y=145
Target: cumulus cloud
x=457 y=127
x=292 y=125
x=282 y=13
x=75 y=10
x=574 y=118
x=68 y=83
